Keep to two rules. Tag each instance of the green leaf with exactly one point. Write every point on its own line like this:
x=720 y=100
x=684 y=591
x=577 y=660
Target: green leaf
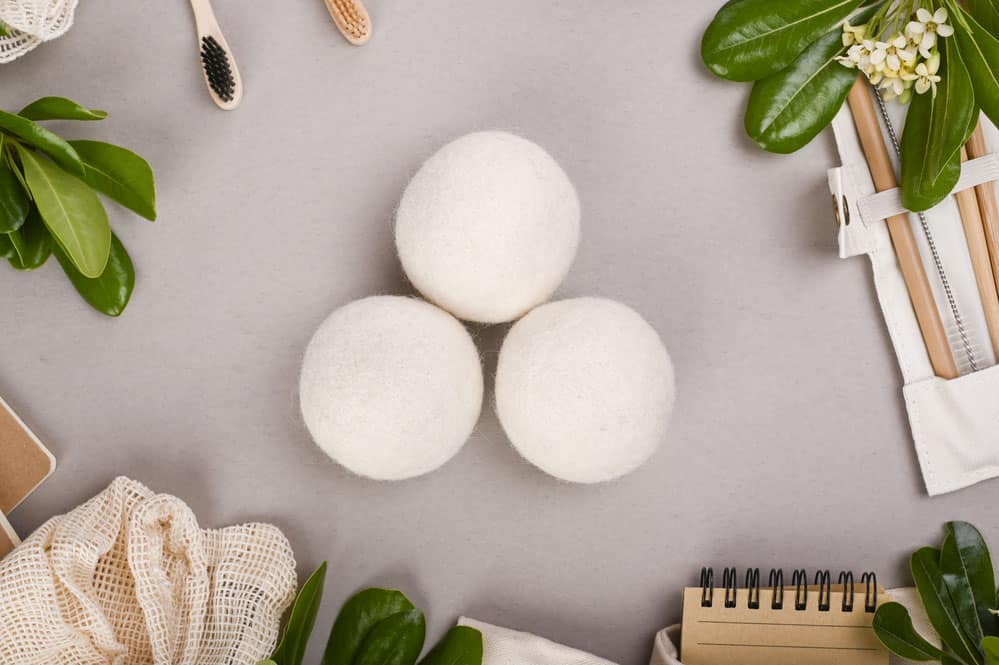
x=15 y=169
x=357 y=618
x=397 y=640
x=965 y=554
x=14 y=202
x=893 y=626
x=935 y=129
x=980 y=52
x=291 y=649
x=939 y=607
x=32 y=244
x=919 y=195
x=108 y=294
x=71 y=211
x=990 y=646
x=119 y=174
x=953 y=108
x=59 y=108
x=43 y=139
x=788 y=109
x=267 y=662
x=752 y=39
x=461 y=646
x=986 y=13
x=959 y=591
x=7 y=250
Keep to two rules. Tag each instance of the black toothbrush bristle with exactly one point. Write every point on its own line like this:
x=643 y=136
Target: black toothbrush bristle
x=218 y=71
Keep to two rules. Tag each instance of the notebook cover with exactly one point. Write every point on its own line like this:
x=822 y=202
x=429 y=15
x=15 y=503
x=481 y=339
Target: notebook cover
x=24 y=461
x=764 y=636
x=8 y=539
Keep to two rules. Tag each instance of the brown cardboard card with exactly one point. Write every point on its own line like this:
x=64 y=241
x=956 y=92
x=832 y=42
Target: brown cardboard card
x=24 y=461
x=788 y=636
x=8 y=539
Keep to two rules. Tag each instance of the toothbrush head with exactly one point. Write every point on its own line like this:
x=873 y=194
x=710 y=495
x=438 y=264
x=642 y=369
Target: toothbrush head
x=218 y=69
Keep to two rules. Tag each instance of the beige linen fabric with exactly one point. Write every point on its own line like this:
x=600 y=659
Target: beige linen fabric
x=128 y=578
x=502 y=646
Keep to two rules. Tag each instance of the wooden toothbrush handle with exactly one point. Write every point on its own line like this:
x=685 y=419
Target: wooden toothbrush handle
x=204 y=17
x=902 y=238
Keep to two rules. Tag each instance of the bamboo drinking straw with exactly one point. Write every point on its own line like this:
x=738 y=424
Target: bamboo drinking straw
x=987 y=201
x=911 y=265
x=974 y=232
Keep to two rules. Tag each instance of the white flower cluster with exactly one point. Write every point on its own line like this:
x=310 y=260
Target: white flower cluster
x=900 y=62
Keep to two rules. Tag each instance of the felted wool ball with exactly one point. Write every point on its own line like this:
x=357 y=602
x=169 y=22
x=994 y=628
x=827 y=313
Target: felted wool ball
x=391 y=387
x=488 y=227
x=584 y=389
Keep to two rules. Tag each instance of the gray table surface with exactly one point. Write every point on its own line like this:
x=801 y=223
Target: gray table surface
x=789 y=445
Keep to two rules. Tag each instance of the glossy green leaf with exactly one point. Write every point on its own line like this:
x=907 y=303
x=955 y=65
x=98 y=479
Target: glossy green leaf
x=32 y=244
x=752 y=39
x=119 y=174
x=893 y=626
x=266 y=662
x=71 y=211
x=919 y=195
x=953 y=107
x=14 y=201
x=935 y=129
x=108 y=294
x=934 y=593
x=15 y=169
x=788 y=109
x=59 y=108
x=965 y=554
x=397 y=640
x=7 y=250
x=986 y=13
x=3 y=29
x=959 y=592
x=975 y=115
x=357 y=618
x=43 y=139
x=980 y=53
x=461 y=645
x=291 y=649
x=990 y=646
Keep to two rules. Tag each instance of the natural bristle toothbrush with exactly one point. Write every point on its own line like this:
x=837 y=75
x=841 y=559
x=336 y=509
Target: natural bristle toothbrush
x=352 y=19
x=217 y=64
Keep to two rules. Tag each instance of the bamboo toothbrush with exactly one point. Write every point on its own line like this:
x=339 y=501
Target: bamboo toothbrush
x=217 y=64
x=987 y=201
x=352 y=19
x=974 y=232
x=910 y=263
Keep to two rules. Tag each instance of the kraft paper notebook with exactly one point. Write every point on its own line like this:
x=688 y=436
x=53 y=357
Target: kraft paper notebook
x=24 y=461
x=798 y=624
x=8 y=539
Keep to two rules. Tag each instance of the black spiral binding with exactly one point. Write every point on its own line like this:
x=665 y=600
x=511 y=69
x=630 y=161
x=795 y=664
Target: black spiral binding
x=799 y=580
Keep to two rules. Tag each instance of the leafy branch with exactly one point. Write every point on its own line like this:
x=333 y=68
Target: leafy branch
x=374 y=627
x=49 y=203
x=803 y=56
x=956 y=585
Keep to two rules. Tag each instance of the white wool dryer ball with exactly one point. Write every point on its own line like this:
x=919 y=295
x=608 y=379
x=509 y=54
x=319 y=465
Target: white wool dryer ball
x=488 y=227
x=584 y=389
x=391 y=387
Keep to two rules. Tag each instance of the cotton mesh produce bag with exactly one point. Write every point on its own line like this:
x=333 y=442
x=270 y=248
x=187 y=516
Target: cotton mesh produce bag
x=31 y=22
x=129 y=578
